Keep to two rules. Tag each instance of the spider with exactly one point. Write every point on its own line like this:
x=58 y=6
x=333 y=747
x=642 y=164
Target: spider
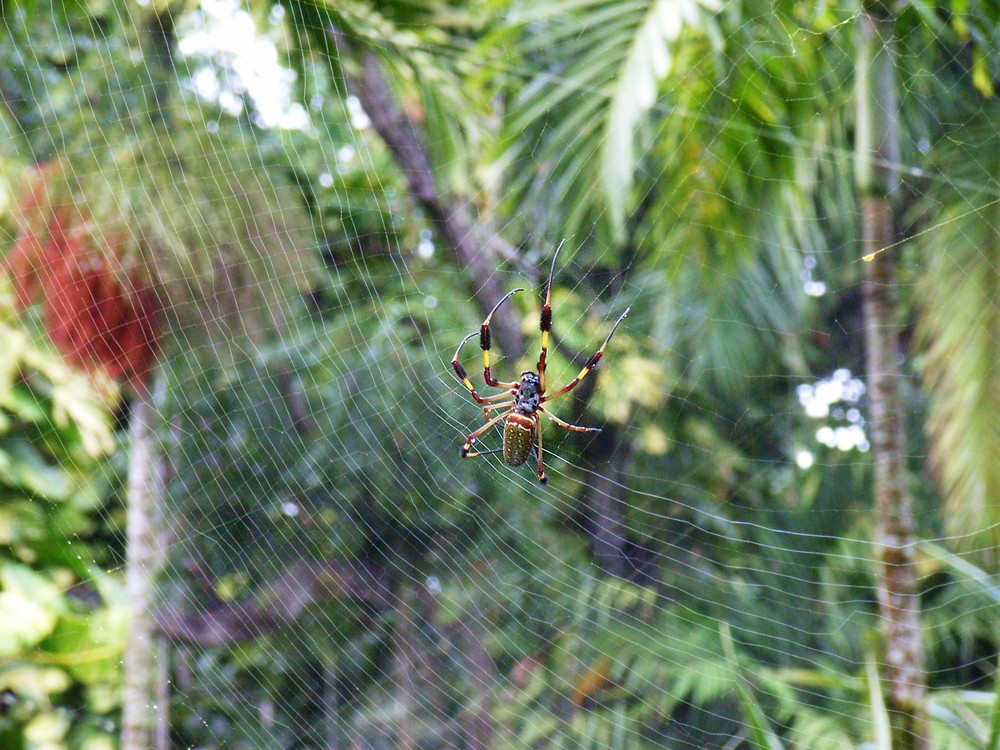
x=522 y=401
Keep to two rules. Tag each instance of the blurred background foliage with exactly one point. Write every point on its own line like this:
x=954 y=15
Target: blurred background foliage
x=699 y=574
x=60 y=550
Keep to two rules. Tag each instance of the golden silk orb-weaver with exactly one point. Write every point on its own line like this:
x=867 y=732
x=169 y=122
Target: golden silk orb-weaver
x=522 y=401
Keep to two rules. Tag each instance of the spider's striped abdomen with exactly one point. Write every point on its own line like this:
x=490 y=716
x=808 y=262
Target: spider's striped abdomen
x=518 y=437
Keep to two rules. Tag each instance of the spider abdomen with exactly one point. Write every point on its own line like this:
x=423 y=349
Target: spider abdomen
x=518 y=438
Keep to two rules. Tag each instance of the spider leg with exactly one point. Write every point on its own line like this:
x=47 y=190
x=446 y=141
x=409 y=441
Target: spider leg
x=472 y=438
x=546 y=322
x=505 y=394
x=541 y=470
x=490 y=407
x=591 y=363
x=567 y=425
x=484 y=343
x=464 y=377
x=473 y=454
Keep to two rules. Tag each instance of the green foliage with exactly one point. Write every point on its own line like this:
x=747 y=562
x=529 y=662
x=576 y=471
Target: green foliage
x=163 y=190
x=594 y=73
x=61 y=611
x=611 y=60
x=696 y=167
x=958 y=329
x=630 y=665
x=420 y=48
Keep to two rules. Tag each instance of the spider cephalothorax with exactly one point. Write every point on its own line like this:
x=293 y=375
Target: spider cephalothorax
x=528 y=396
x=522 y=401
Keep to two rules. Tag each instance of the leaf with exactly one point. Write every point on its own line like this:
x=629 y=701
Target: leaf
x=959 y=719
x=958 y=332
x=960 y=565
x=634 y=91
x=762 y=736
x=75 y=405
x=26 y=469
x=880 y=715
x=598 y=67
x=29 y=607
x=994 y=740
x=21 y=521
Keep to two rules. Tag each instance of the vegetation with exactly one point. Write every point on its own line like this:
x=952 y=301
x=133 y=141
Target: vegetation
x=785 y=534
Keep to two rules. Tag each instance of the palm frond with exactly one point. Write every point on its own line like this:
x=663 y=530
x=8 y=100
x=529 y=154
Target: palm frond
x=645 y=64
x=596 y=71
x=761 y=733
x=958 y=329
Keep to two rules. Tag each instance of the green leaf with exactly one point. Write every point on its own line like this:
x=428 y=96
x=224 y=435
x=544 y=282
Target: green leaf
x=880 y=715
x=27 y=469
x=982 y=579
x=994 y=740
x=21 y=521
x=598 y=67
x=86 y=646
x=634 y=91
x=761 y=734
x=958 y=332
x=29 y=607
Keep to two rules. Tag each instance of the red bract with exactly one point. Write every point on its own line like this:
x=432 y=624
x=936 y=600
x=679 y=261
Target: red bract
x=94 y=320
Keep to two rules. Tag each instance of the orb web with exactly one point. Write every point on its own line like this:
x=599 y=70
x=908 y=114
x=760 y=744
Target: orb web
x=273 y=224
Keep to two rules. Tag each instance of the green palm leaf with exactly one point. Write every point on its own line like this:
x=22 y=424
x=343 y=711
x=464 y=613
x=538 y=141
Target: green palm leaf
x=961 y=363
x=597 y=70
x=646 y=62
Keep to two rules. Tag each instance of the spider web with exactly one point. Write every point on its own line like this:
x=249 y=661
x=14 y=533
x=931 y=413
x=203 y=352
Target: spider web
x=702 y=572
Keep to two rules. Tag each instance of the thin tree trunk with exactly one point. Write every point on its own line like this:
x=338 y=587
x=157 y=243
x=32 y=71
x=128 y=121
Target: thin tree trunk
x=405 y=644
x=162 y=693
x=877 y=153
x=606 y=504
x=143 y=561
x=603 y=497
x=452 y=216
x=477 y=717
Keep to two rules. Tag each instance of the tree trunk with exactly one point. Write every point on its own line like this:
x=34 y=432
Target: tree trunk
x=143 y=561
x=405 y=643
x=452 y=216
x=603 y=497
x=606 y=504
x=162 y=693
x=877 y=154
x=477 y=717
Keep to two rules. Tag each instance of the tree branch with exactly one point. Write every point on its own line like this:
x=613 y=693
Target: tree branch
x=277 y=603
x=468 y=239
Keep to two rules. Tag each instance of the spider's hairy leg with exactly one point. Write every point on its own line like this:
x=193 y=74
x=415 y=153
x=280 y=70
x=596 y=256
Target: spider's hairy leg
x=491 y=452
x=546 y=322
x=475 y=435
x=484 y=342
x=541 y=469
x=493 y=407
x=591 y=363
x=566 y=425
x=464 y=377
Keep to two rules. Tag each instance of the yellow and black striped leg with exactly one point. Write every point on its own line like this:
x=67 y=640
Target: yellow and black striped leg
x=475 y=435
x=591 y=363
x=546 y=322
x=541 y=469
x=484 y=343
x=464 y=377
x=567 y=425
